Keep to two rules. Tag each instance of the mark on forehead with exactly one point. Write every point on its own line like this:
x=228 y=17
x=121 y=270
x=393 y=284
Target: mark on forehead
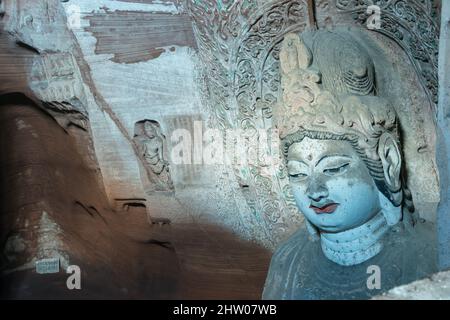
x=314 y=150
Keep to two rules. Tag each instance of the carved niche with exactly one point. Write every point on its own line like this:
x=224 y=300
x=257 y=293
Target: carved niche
x=152 y=144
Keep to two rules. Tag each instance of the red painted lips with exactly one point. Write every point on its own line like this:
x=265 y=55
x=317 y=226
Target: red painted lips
x=328 y=208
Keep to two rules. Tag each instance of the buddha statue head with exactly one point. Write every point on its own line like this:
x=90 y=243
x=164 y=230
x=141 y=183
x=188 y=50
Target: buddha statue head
x=341 y=144
x=150 y=129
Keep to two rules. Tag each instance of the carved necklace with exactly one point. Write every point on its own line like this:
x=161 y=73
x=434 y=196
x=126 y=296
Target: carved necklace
x=356 y=245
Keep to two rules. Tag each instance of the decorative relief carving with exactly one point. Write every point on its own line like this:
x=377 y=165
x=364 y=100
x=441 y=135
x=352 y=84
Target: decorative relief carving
x=54 y=77
x=56 y=81
x=256 y=77
x=413 y=25
x=35 y=22
x=151 y=143
x=239 y=44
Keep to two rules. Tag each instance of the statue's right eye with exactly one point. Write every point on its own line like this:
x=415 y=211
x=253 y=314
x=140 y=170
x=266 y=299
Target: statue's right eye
x=296 y=170
x=298 y=176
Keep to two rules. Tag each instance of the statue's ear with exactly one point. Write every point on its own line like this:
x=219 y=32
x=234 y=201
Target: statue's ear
x=391 y=159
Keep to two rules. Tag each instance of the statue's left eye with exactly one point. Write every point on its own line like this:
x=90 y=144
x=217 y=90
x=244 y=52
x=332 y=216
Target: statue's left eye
x=336 y=170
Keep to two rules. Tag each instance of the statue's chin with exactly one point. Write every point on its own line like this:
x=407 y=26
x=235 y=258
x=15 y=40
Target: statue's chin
x=331 y=230
x=333 y=227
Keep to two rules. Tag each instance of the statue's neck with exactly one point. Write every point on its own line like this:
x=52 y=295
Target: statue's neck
x=356 y=245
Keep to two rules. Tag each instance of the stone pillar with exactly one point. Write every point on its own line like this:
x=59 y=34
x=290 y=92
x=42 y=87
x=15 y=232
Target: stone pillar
x=443 y=146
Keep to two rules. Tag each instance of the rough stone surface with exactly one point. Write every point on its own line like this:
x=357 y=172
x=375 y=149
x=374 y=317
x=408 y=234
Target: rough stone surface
x=60 y=211
x=153 y=34
x=437 y=287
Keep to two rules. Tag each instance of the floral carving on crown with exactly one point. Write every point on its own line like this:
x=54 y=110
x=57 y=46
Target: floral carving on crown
x=328 y=85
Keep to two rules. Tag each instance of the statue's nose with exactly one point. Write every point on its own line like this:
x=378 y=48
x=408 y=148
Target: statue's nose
x=316 y=190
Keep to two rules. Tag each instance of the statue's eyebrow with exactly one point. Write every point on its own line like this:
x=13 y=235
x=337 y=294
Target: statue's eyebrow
x=297 y=160
x=332 y=156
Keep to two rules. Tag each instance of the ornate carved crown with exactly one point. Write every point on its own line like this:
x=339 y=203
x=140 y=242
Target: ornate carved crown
x=329 y=92
x=328 y=86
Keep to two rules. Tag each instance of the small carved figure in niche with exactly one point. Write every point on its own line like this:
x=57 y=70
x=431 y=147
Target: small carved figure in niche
x=150 y=141
x=342 y=146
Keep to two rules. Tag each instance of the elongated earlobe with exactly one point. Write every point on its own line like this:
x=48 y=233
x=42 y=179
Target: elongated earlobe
x=392 y=213
x=391 y=160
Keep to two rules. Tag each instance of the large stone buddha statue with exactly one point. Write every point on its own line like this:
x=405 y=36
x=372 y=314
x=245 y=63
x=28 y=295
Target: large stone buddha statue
x=342 y=148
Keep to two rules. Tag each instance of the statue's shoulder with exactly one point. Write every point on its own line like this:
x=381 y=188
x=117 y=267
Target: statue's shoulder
x=292 y=244
x=277 y=285
x=416 y=243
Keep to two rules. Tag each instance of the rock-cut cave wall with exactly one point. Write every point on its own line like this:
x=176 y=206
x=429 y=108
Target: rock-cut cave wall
x=71 y=180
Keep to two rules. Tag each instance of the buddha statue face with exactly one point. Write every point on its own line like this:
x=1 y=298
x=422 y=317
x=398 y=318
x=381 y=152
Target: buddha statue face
x=331 y=184
x=149 y=130
x=340 y=138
